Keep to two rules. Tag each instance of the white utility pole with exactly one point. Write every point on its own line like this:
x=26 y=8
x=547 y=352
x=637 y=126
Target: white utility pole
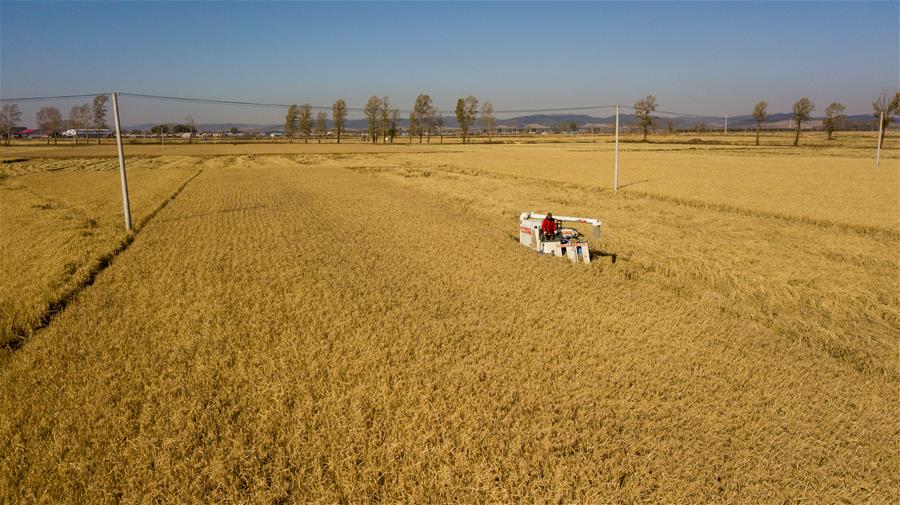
x=616 y=176
x=726 y=124
x=125 y=203
x=878 y=149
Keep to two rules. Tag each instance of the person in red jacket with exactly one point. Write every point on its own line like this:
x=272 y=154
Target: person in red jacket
x=548 y=227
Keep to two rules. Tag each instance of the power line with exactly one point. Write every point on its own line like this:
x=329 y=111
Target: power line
x=354 y=109
x=687 y=114
x=212 y=101
x=46 y=98
x=555 y=109
x=224 y=102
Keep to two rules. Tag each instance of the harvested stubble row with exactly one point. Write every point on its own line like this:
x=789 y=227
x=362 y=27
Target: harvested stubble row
x=303 y=332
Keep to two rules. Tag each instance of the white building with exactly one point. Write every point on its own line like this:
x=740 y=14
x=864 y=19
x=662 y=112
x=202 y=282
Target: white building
x=87 y=132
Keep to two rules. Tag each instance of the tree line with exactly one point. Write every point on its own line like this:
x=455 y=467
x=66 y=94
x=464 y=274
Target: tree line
x=424 y=121
x=884 y=109
x=50 y=120
x=383 y=120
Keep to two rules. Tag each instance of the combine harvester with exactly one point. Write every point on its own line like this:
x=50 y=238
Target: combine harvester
x=565 y=242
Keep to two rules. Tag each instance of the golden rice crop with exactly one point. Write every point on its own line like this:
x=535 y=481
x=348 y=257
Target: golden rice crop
x=59 y=217
x=359 y=327
x=839 y=187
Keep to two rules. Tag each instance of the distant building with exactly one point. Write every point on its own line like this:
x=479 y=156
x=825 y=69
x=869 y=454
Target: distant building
x=87 y=132
x=27 y=133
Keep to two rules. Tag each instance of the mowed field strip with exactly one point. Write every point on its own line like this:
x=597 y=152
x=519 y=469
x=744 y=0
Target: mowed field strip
x=314 y=326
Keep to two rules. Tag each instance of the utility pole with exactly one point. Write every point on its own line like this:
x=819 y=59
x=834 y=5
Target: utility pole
x=726 y=124
x=125 y=203
x=616 y=176
x=878 y=149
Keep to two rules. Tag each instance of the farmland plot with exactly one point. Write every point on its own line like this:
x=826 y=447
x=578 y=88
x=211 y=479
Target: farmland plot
x=841 y=187
x=359 y=328
x=59 y=218
x=786 y=270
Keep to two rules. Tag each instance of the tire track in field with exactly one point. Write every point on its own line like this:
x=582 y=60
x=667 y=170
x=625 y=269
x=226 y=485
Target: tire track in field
x=22 y=334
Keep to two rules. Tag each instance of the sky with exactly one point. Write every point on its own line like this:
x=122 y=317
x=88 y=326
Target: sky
x=713 y=58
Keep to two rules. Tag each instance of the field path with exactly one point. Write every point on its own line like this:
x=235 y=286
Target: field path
x=288 y=331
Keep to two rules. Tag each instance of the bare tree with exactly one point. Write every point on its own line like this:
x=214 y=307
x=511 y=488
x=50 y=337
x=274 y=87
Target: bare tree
x=72 y=122
x=761 y=115
x=290 y=122
x=466 y=111
x=394 y=124
x=99 y=110
x=414 y=126
x=305 y=121
x=372 y=110
x=461 y=117
x=644 y=109
x=802 y=110
x=670 y=125
x=339 y=115
x=434 y=123
x=49 y=120
x=471 y=111
x=424 y=111
x=85 y=112
x=10 y=115
x=384 y=118
x=79 y=118
x=488 y=121
x=321 y=126
x=834 y=117
x=189 y=121
x=888 y=106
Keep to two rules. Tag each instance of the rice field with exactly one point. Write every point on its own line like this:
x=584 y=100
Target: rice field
x=61 y=219
x=322 y=323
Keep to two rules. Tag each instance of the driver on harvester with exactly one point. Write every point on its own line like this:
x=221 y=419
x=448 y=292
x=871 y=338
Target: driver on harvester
x=548 y=227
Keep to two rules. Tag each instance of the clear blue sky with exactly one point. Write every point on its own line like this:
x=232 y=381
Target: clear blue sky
x=700 y=57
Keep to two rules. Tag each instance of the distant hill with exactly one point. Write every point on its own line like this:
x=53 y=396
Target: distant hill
x=546 y=120
x=786 y=118
x=212 y=127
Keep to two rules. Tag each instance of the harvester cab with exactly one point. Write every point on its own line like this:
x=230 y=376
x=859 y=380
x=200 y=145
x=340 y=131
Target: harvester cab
x=566 y=242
